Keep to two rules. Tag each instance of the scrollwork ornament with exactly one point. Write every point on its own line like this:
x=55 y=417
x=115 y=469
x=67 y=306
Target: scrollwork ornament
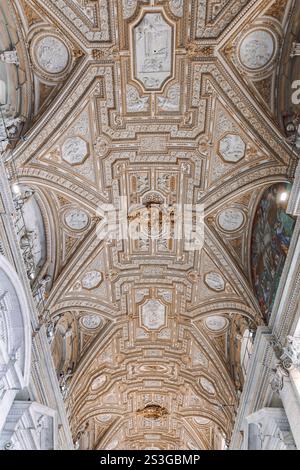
x=291 y=353
x=277 y=346
x=8 y=446
x=277 y=381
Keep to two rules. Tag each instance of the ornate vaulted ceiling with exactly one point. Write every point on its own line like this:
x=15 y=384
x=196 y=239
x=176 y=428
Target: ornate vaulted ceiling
x=166 y=102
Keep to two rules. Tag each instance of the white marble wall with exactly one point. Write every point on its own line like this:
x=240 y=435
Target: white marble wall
x=269 y=410
x=32 y=412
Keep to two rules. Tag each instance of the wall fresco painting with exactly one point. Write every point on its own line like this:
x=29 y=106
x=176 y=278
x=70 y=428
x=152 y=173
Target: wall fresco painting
x=271 y=237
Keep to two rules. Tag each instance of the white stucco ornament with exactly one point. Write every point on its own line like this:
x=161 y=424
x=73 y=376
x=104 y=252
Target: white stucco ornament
x=172 y=100
x=207 y=385
x=52 y=54
x=214 y=281
x=76 y=219
x=74 y=150
x=153 y=314
x=231 y=219
x=91 y=321
x=105 y=418
x=135 y=103
x=176 y=7
x=152 y=50
x=257 y=49
x=201 y=421
x=232 y=148
x=199 y=358
x=129 y=7
x=98 y=382
x=91 y=279
x=215 y=323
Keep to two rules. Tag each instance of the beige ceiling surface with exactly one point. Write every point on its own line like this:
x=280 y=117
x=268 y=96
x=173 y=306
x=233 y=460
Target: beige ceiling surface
x=159 y=103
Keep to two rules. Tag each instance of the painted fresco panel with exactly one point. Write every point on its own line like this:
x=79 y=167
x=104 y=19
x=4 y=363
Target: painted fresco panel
x=271 y=236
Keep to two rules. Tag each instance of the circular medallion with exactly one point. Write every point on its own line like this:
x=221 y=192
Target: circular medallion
x=214 y=281
x=232 y=148
x=76 y=219
x=52 y=54
x=74 y=150
x=231 y=220
x=91 y=321
x=257 y=49
x=215 y=323
x=91 y=280
x=101 y=146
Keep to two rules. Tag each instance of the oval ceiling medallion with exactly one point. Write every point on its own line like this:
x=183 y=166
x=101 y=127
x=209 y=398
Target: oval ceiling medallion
x=216 y=323
x=207 y=385
x=201 y=421
x=231 y=220
x=52 y=54
x=154 y=369
x=98 y=382
x=76 y=219
x=91 y=321
x=214 y=281
x=257 y=49
x=91 y=280
x=105 y=418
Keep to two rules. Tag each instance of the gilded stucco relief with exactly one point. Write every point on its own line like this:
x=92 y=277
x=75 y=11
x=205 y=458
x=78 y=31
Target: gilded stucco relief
x=148 y=114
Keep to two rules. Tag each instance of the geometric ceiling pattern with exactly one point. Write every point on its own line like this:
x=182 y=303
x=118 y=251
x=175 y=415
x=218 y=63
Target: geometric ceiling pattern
x=150 y=105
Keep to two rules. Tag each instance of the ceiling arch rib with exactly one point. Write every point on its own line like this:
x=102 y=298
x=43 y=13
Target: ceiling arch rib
x=152 y=328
